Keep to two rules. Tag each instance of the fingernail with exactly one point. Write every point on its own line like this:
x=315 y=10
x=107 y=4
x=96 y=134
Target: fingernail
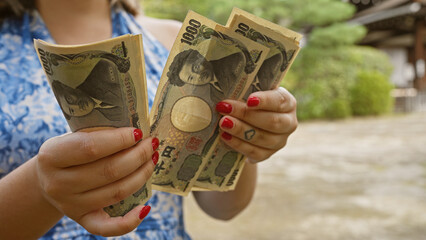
x=155 y=157
x=253 y=101
x=155 y=143
x=226 y=136
x=227 y=123
x=138 y=134
x=144 y=212
x=224 y=107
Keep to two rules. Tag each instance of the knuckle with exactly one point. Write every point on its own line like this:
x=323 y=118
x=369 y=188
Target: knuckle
x=123 y=139
x=282 y=101
x=244 y=112
x=143 y=154
x=266 y=156
x=44 y=155
x=260 y=138
x=281 y=144
x=261 y=156
x=110 y=172
x=277 y=122
x=253 y=153
x=264 y=141
x=147 y=172
x=119 y=194
x=88 y=146
x=237 y=130
x=294 y=124
x=235 y=143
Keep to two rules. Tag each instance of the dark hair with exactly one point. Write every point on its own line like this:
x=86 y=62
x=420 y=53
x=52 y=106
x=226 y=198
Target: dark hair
x=176 y=66
x=10 y=8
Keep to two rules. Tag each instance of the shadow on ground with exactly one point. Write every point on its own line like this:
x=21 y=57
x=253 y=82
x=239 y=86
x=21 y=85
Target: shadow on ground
x=354 y=179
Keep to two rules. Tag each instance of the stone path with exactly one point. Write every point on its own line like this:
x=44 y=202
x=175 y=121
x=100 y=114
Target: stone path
x=356 y=179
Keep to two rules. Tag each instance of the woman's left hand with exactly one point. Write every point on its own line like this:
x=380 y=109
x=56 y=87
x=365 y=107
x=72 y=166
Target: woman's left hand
x=261 y=126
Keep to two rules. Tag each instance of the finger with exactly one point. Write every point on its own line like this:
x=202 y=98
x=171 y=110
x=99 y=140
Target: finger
x=116 y=191
x=109 y=169
x=277 y=100
x=273 y=122
x=255 y=153
x=253 y=135
x=84 y=147
x=100 y=223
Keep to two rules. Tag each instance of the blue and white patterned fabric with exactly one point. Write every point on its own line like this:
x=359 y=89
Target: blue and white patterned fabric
x=29 y=115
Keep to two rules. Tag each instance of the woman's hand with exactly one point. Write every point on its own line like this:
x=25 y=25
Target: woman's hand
x=261 y=126
x=81 y=173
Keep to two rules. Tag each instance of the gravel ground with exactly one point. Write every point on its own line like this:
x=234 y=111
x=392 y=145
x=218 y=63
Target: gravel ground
x=362 y=178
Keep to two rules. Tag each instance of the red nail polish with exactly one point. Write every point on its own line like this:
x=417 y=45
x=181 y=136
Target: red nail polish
x=224 y=107
x=155 y=157
x=137 y=133
x=253 y=101
x=144 y=212
x=155 y=143
x=227 y=123
x=226 y=136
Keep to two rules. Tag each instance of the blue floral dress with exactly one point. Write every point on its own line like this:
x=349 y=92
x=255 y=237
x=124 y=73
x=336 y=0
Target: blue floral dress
x=29 y=115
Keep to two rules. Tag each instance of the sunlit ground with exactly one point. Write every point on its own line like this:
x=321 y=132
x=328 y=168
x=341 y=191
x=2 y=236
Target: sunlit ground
x=354 y=179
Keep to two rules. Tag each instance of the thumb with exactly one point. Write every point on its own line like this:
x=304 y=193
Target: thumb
x=100 y=223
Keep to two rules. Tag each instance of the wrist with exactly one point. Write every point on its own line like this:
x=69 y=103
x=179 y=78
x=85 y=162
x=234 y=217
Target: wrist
x=26 y=212
x=38 y=191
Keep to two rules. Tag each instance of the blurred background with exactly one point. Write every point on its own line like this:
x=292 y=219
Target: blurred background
x=356 y=166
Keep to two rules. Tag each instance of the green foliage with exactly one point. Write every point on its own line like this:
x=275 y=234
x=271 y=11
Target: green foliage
x=371 y=94
x=324 y=78
x=290 y=81
x=328 y=68
x=337 y=34
x=297 y=13
x=338 y=108
x=318 y=12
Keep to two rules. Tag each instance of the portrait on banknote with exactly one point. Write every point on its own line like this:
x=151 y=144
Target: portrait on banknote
x=100 y=91
x=190 y=67
x=93 y=88
x=223 y=169
x=208 y=65
x=100 y=85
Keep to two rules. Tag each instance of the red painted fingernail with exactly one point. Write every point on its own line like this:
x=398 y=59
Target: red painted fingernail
x=226 y=136
x=138 y=134
x=155 y=157
x=227 y=123
x=224 y=107
x=155 y=143
x=144 y=212
x=253 y=101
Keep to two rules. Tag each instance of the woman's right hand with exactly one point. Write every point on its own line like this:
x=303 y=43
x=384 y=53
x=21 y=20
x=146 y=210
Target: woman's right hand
x=81 y=173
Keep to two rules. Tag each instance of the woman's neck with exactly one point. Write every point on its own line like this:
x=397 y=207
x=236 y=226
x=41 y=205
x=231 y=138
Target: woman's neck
x=76 y=21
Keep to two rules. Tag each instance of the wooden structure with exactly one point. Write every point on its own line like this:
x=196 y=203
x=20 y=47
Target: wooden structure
x=396 y=24
x=399 y=25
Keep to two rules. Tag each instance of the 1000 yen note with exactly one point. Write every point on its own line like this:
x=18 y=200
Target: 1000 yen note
x=204 y=67
x=226 y=164
x=100 y=85
x=295 y=36
x=284 y=47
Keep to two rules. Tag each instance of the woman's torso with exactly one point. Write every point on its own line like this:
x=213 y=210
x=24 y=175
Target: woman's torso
x=29 y=115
